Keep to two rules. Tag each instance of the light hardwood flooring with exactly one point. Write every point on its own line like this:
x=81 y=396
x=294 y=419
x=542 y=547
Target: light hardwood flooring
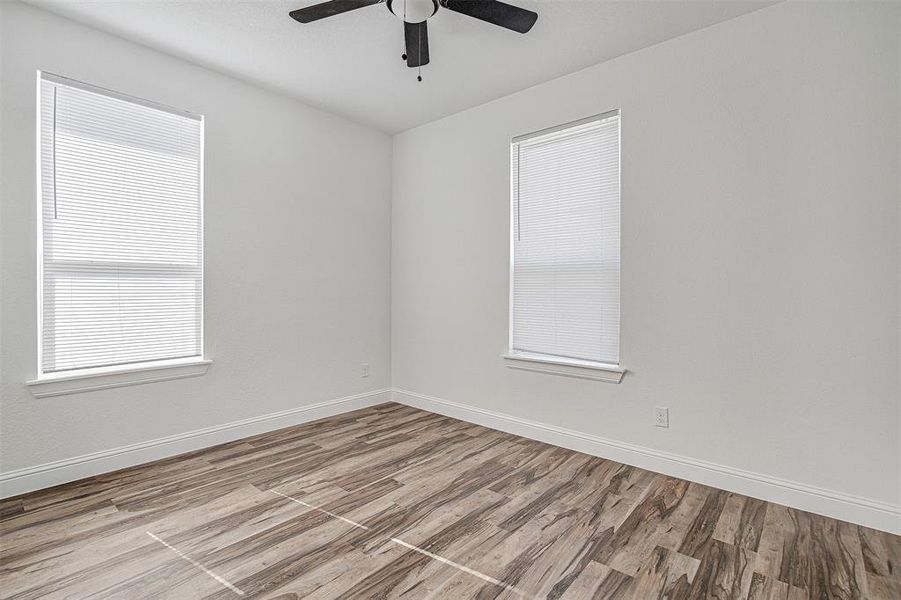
x=394 y=502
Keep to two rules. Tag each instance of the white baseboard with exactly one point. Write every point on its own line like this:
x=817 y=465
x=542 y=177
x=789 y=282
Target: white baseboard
x=846 y=507
x=855 y=509
x=47 y=475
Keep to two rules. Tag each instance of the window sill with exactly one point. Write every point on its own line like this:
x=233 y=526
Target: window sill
x=581 y=369
x=76 y=383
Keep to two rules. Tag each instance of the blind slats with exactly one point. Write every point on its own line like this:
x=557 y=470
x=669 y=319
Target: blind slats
x=566 y=242
x=121 y=228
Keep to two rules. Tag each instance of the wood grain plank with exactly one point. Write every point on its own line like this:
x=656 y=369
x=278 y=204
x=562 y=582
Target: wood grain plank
x=394 y=502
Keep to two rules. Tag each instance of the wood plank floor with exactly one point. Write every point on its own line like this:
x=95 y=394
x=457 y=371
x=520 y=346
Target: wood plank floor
x=394 y=502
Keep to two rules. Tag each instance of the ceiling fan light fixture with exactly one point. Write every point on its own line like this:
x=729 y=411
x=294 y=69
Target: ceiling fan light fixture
x=415 y=15
x=413 y=11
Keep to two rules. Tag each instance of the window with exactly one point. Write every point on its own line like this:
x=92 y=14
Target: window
x=565 y=246
x=121 y=232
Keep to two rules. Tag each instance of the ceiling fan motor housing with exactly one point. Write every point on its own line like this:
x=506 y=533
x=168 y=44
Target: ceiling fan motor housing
x=413 y=11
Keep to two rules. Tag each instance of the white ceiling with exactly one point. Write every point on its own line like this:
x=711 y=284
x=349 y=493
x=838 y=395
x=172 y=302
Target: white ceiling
x=350 y=64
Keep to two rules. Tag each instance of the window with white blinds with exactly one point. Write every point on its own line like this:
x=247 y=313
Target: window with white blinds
x=121 y=230
x=565 y=212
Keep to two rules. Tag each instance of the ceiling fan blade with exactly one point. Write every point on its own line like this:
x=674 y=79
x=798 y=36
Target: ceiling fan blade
x=328 y=9
x=494 y=12
x=416 y=37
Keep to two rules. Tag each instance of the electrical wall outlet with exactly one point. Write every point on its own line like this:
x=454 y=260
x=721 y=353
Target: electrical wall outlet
x=364 y=369
x=661 y=416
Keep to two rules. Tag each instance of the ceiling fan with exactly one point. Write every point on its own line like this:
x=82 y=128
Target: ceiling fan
x=415 y=14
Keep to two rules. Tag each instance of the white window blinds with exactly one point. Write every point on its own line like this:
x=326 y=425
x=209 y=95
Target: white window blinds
x=121 y=229
x=565 y=186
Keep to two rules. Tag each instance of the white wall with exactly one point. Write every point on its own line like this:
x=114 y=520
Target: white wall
x=297 y=250
x=760 y=286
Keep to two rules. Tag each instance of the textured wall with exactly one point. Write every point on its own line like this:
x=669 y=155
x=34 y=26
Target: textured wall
x=760 y=237
x=297 y=249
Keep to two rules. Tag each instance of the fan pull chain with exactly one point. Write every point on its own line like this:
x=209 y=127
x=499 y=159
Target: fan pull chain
x=419 y=43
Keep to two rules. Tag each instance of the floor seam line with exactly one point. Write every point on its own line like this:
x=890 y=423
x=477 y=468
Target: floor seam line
x=409 y=546
x=196 y=564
